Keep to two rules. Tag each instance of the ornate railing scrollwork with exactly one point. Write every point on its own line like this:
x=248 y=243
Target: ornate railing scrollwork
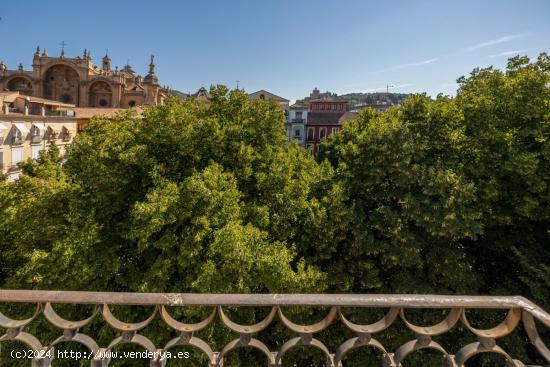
x=520 y=313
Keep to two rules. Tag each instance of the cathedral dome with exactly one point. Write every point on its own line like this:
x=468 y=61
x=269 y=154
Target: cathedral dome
x=151 y=78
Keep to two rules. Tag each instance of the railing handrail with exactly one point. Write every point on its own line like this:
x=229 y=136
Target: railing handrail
x=310 y=299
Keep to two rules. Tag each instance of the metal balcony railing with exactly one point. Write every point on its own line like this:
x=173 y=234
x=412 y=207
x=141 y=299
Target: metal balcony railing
x=36 y=138
x=518 y=309
x=12 y=168
x=60 y=113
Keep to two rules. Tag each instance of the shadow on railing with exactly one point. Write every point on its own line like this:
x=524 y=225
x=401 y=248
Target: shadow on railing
x=518 y=310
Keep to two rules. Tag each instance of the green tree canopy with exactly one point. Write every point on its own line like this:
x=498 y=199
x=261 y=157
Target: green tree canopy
x=444 y=195
x=191 y=197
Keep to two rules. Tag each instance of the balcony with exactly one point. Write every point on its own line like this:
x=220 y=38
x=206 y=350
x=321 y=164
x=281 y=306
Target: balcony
x=59 y=113
x=12 y=168
x=521 y=314
x=298 y=121
x=36 y=138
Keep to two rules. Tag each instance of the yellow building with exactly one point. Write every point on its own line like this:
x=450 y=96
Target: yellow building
x=29 y=125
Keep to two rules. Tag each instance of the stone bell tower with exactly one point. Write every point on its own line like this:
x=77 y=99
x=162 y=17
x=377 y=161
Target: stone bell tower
x=151 y=84
x=106 y=63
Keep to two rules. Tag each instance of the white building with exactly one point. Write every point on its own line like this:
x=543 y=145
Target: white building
x=23 y=134
x=296 y=123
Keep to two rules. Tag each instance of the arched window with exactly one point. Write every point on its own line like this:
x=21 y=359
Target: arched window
x=61 y=83
x=21 y=85
x=65 y=98
x=100 y=94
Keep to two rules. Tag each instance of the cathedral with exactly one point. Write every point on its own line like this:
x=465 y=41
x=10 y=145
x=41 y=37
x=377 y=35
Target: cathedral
x=78 y=81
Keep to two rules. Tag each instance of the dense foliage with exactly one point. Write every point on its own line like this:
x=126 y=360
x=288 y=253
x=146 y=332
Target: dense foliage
x=439 y=196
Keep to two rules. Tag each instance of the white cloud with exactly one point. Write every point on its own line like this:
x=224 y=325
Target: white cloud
x=496 y=41
x=425 y=62
x=419 y=63
x=508 y=53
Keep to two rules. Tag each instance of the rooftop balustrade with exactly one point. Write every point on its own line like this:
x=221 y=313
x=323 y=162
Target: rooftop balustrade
x=521 y=313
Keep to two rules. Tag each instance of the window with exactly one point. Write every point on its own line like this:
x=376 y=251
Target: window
x=103 y=102
x=132 y=104
x=16 y=155
x=310 y=133
x=297 y=133
x=341 y=107
x=35 y=151
x=322 y=132
x=335 y=129
x=262 y=96
x=298 y=114
x=65 y=98
x=17 y=135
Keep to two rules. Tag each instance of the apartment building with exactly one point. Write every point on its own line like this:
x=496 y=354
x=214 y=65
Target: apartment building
x=296 y=123
x=29 y=125
x=325 y=117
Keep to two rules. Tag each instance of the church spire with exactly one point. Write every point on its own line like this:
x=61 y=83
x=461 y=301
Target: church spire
x=106 y=61
x=62 y=44
x=151 y=77
x=152 y=64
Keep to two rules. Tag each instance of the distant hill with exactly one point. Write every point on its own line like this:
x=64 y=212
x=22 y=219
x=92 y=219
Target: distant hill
x=370 y=98
x=179 y=94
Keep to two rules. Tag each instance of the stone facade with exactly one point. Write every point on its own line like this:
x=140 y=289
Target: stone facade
x=78 y=81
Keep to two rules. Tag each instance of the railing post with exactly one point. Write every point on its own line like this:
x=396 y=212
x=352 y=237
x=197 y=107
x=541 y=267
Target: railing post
x=214 y=362
x=388 y=361
x=449 y=361
x=44 y=359
x=102 y=361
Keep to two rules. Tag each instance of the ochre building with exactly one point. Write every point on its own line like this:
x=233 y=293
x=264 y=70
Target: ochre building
x=78 y=81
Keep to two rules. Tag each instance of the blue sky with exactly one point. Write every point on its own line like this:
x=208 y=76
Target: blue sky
x=285 y=46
